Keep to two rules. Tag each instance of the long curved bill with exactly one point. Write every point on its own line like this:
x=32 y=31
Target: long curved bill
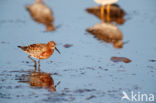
x=57 y=50
x=57 y=84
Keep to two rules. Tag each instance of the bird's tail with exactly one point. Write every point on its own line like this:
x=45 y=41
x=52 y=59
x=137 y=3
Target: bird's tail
x=50 y=27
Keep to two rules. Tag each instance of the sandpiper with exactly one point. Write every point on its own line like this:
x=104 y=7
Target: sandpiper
x=103 y=3
x=42 y=14
x=40 y=51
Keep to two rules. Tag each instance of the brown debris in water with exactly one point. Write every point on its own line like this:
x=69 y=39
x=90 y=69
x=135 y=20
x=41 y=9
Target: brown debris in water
x=4 y=42
x=120 y=59
x=68 y=45
x=152 y=60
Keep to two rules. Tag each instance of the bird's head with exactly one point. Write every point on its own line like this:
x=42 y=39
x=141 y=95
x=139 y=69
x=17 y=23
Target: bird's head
x=52 y=45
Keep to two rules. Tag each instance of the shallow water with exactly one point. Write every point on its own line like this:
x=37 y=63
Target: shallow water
x=85 y=69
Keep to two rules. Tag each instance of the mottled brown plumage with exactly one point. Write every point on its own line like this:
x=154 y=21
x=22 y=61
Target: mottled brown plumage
x=42 y=14
x=40 y=51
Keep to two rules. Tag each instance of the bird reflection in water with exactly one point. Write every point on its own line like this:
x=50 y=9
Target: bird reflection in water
x=107 y=29
x=108 y=33
x=107 y=4
x=39 y=79
x=41 y=14
x=42 y=80
x=116 y=14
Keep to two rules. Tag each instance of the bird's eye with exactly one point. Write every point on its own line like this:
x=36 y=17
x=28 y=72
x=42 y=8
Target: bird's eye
x=52 y=44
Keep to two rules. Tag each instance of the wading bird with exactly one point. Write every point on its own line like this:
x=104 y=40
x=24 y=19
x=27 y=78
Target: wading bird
x=42 y=14
x=40 y=51
x=103 y=3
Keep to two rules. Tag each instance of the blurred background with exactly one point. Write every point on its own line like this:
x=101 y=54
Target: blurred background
x=89 y=68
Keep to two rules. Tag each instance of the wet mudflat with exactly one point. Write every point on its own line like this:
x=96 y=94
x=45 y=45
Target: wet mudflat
x=85 y=69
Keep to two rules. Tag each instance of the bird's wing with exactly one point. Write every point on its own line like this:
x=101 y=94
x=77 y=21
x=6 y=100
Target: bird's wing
x=36 y=48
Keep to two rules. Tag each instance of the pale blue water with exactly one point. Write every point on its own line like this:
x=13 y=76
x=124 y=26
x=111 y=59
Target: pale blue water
x=85 y=65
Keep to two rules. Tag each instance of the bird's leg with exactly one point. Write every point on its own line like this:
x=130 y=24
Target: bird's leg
x=35 y=64
x=39 y=65
x=102 y=12
x=108 y=12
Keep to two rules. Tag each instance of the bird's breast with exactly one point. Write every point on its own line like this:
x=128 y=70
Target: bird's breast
x=46 y=54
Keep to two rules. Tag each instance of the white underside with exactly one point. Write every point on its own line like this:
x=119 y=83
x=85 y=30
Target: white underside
x=105 y=2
